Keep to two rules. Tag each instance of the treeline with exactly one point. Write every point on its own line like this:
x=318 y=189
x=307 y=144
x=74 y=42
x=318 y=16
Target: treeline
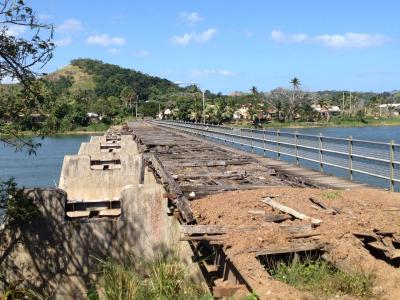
x=90 y=91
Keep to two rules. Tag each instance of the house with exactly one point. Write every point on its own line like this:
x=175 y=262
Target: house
x=242 y=113
x=166 y=114
x=94 y=117
x=389 y=109
x=332 y=110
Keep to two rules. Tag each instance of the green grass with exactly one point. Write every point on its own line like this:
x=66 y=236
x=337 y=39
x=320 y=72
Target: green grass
x=162 y=278
x=94 y=127
x=322 y=279
x=331 y=195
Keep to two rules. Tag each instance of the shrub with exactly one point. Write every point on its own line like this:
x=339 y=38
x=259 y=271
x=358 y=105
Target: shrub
x=17 y=206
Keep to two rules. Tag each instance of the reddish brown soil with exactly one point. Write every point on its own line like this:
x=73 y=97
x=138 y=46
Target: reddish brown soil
x=362 y=210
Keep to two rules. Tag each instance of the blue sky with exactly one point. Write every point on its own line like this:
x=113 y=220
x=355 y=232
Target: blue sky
x=232 y=45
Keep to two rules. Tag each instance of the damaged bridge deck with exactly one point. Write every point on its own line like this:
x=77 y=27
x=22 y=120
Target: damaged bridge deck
x=192 y=168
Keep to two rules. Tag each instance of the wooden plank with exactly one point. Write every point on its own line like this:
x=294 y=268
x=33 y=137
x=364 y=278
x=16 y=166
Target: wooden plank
x=290 y=211
x=215 y=229
x=305 y=235
x=203 y=238
x=277 y=218
x=181 y=202
x=233 y=187
x=291 y=249
x=323 y=205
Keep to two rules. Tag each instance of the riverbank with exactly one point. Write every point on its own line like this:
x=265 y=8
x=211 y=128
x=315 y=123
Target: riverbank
x=339 y=123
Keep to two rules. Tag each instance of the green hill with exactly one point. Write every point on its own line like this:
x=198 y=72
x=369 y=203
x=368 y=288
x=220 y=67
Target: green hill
x=107 y=90
x=105 y=80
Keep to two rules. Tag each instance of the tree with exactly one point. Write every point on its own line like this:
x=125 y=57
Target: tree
x=254 y=90
x=324 y=105
x=20 y=58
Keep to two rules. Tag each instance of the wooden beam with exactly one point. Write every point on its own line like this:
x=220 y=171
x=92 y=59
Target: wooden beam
x=291 y=249
x=203 y=238
x=290 y=211
x=323 y=205
x=215 y=229
x=181 y=202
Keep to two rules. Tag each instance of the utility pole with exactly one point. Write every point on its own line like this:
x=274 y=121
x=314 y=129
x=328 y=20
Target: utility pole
x=343 y=105
x=204 y=112
x=136 y=105
x=350 y=105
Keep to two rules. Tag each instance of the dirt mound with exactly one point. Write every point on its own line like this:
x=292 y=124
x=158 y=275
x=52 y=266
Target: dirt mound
x=361 y=229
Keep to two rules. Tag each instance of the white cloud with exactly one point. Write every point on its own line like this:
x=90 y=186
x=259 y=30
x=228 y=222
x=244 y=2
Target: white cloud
x=63 y=42
x=70 y=25
x=353 y=40
x=105 y=40
x=190 y=17
x=14 y=30
x=9 y=80
x=200 y=73
x=142 y=53
x=339 y=41
x=201 y=37
x=279 y=36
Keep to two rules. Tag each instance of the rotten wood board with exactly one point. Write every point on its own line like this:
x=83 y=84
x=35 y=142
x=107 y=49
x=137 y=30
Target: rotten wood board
x=215 y=229
x=181 y=202
x=275 y=205
x=292 y=249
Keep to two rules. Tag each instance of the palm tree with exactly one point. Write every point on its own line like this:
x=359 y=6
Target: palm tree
x=254 y=91
x=295 y=82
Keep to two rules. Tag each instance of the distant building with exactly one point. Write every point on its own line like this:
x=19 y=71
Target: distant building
x=389 y=108
x=242 y=113
x=333 y=109
x=94 y=117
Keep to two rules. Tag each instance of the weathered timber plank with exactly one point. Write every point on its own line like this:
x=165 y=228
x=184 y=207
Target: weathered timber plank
x=181 y=202
x=290 y=211
x=291 y=249
x=215 y=229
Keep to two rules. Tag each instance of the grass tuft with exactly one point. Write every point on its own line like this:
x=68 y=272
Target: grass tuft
x=331 y=195
x=323 y=279
x=162 y=278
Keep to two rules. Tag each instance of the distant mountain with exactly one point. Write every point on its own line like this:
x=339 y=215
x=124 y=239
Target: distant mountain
x=109 y=80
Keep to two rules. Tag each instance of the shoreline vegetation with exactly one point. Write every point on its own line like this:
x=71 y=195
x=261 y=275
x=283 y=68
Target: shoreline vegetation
x=101 y=128
x=335 y=123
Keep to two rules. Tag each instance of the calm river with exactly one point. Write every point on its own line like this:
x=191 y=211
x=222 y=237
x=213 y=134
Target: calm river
x=42 y=169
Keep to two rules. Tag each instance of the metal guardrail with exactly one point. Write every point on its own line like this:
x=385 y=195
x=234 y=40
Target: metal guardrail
x=376 y=159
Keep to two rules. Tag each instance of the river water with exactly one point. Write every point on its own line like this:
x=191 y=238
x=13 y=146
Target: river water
x=369 y=133
x=43 y=169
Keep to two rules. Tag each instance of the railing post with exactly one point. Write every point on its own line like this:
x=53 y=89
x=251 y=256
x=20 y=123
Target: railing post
x=278 y=144
x=351 y=157
x=392 y=165
x=264 y=138
x=252 y=142
x=241 y=139
x=321 y=164
x=296 y=143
